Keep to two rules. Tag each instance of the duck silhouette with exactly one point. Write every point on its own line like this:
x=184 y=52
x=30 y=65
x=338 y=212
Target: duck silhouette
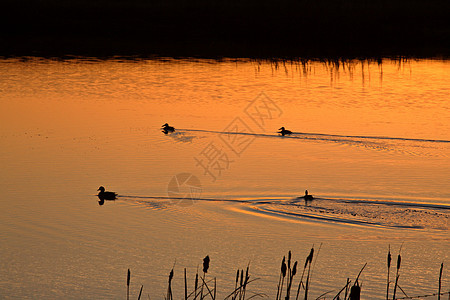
x=308 y=197
x=284 y=131
x=102 y=195
x=166 y=128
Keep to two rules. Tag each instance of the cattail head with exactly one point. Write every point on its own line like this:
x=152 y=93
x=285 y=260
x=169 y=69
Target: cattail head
x=206 y=264
x=196 y=281
x=242 y=277
x=237 y=276
x=310 y=257
x=283 y=266
x=294 y=269
x=399 y=261
x=289 y=259
x=128 y=277
x=389 y=258
x=170 y=275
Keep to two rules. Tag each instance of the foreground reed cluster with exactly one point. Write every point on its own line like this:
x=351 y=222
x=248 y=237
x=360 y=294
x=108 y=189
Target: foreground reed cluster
x=289 y=286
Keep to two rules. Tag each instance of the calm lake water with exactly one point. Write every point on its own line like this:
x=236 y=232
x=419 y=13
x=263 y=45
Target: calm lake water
x=370 y=141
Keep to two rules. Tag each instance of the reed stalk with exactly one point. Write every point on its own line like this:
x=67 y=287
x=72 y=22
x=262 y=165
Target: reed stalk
x=360 y=271
x=245 y=283
x=346 y=288
x=195 y=285
x=399 y=260
x=288 y=267
x=140 y=292
x=307 y=282
x=207 y=288
x=128 y=284
x=169 y=288
x=339 y=293
x=201 y=287
x=235 y=285
x=389 y=258
x=440 y=281
x=185 y=285
x=283 y=272
x=241 y=283
x=355 y=291
x=237 y=288
x=205 y=270
x=292 y=274
x=404 y=293
x=309 y=260
x=300 y=284
x=281 y=280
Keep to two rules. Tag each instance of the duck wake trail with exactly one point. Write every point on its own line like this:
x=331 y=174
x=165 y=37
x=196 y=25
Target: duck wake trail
x=412 y=146
x=363 y=212
x=386 y=213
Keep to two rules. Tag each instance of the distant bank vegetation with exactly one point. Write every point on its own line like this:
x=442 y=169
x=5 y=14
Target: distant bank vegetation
x=247 y=28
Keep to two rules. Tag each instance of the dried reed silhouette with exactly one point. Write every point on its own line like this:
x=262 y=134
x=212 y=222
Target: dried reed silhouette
x=308 y=262
x=205 y=270
x=440 y=281
x=140 y=292
x=185 y=285
x=128 y=284
x=281 y=280
x=397 y=275
x=389 y=258
x=195 y=284
x=169 y=288
x=208 y=288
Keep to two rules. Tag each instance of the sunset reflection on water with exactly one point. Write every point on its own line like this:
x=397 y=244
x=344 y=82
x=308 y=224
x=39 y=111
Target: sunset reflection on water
x=368 y=133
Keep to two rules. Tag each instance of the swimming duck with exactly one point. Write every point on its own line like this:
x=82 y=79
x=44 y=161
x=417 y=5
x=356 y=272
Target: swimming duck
x=166 y=128
x=106 y=195
x=284 y=131
x=308 y=197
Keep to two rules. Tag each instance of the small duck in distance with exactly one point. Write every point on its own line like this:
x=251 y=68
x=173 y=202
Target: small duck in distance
x=284 y=131
x=308 y=197
x=102 y=195
x=166 y=128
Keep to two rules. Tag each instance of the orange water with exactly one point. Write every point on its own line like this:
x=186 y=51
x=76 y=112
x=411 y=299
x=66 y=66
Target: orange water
x=68 y=127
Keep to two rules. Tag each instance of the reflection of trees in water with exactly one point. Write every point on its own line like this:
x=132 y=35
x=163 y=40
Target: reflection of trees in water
x=350 y=67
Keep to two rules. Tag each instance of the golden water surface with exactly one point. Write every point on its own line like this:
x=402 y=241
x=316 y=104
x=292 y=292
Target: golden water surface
x=370 y=141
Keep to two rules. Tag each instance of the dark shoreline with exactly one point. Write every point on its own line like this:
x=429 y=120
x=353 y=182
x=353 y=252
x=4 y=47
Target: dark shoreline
x=82 y=47
x=285 y=29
